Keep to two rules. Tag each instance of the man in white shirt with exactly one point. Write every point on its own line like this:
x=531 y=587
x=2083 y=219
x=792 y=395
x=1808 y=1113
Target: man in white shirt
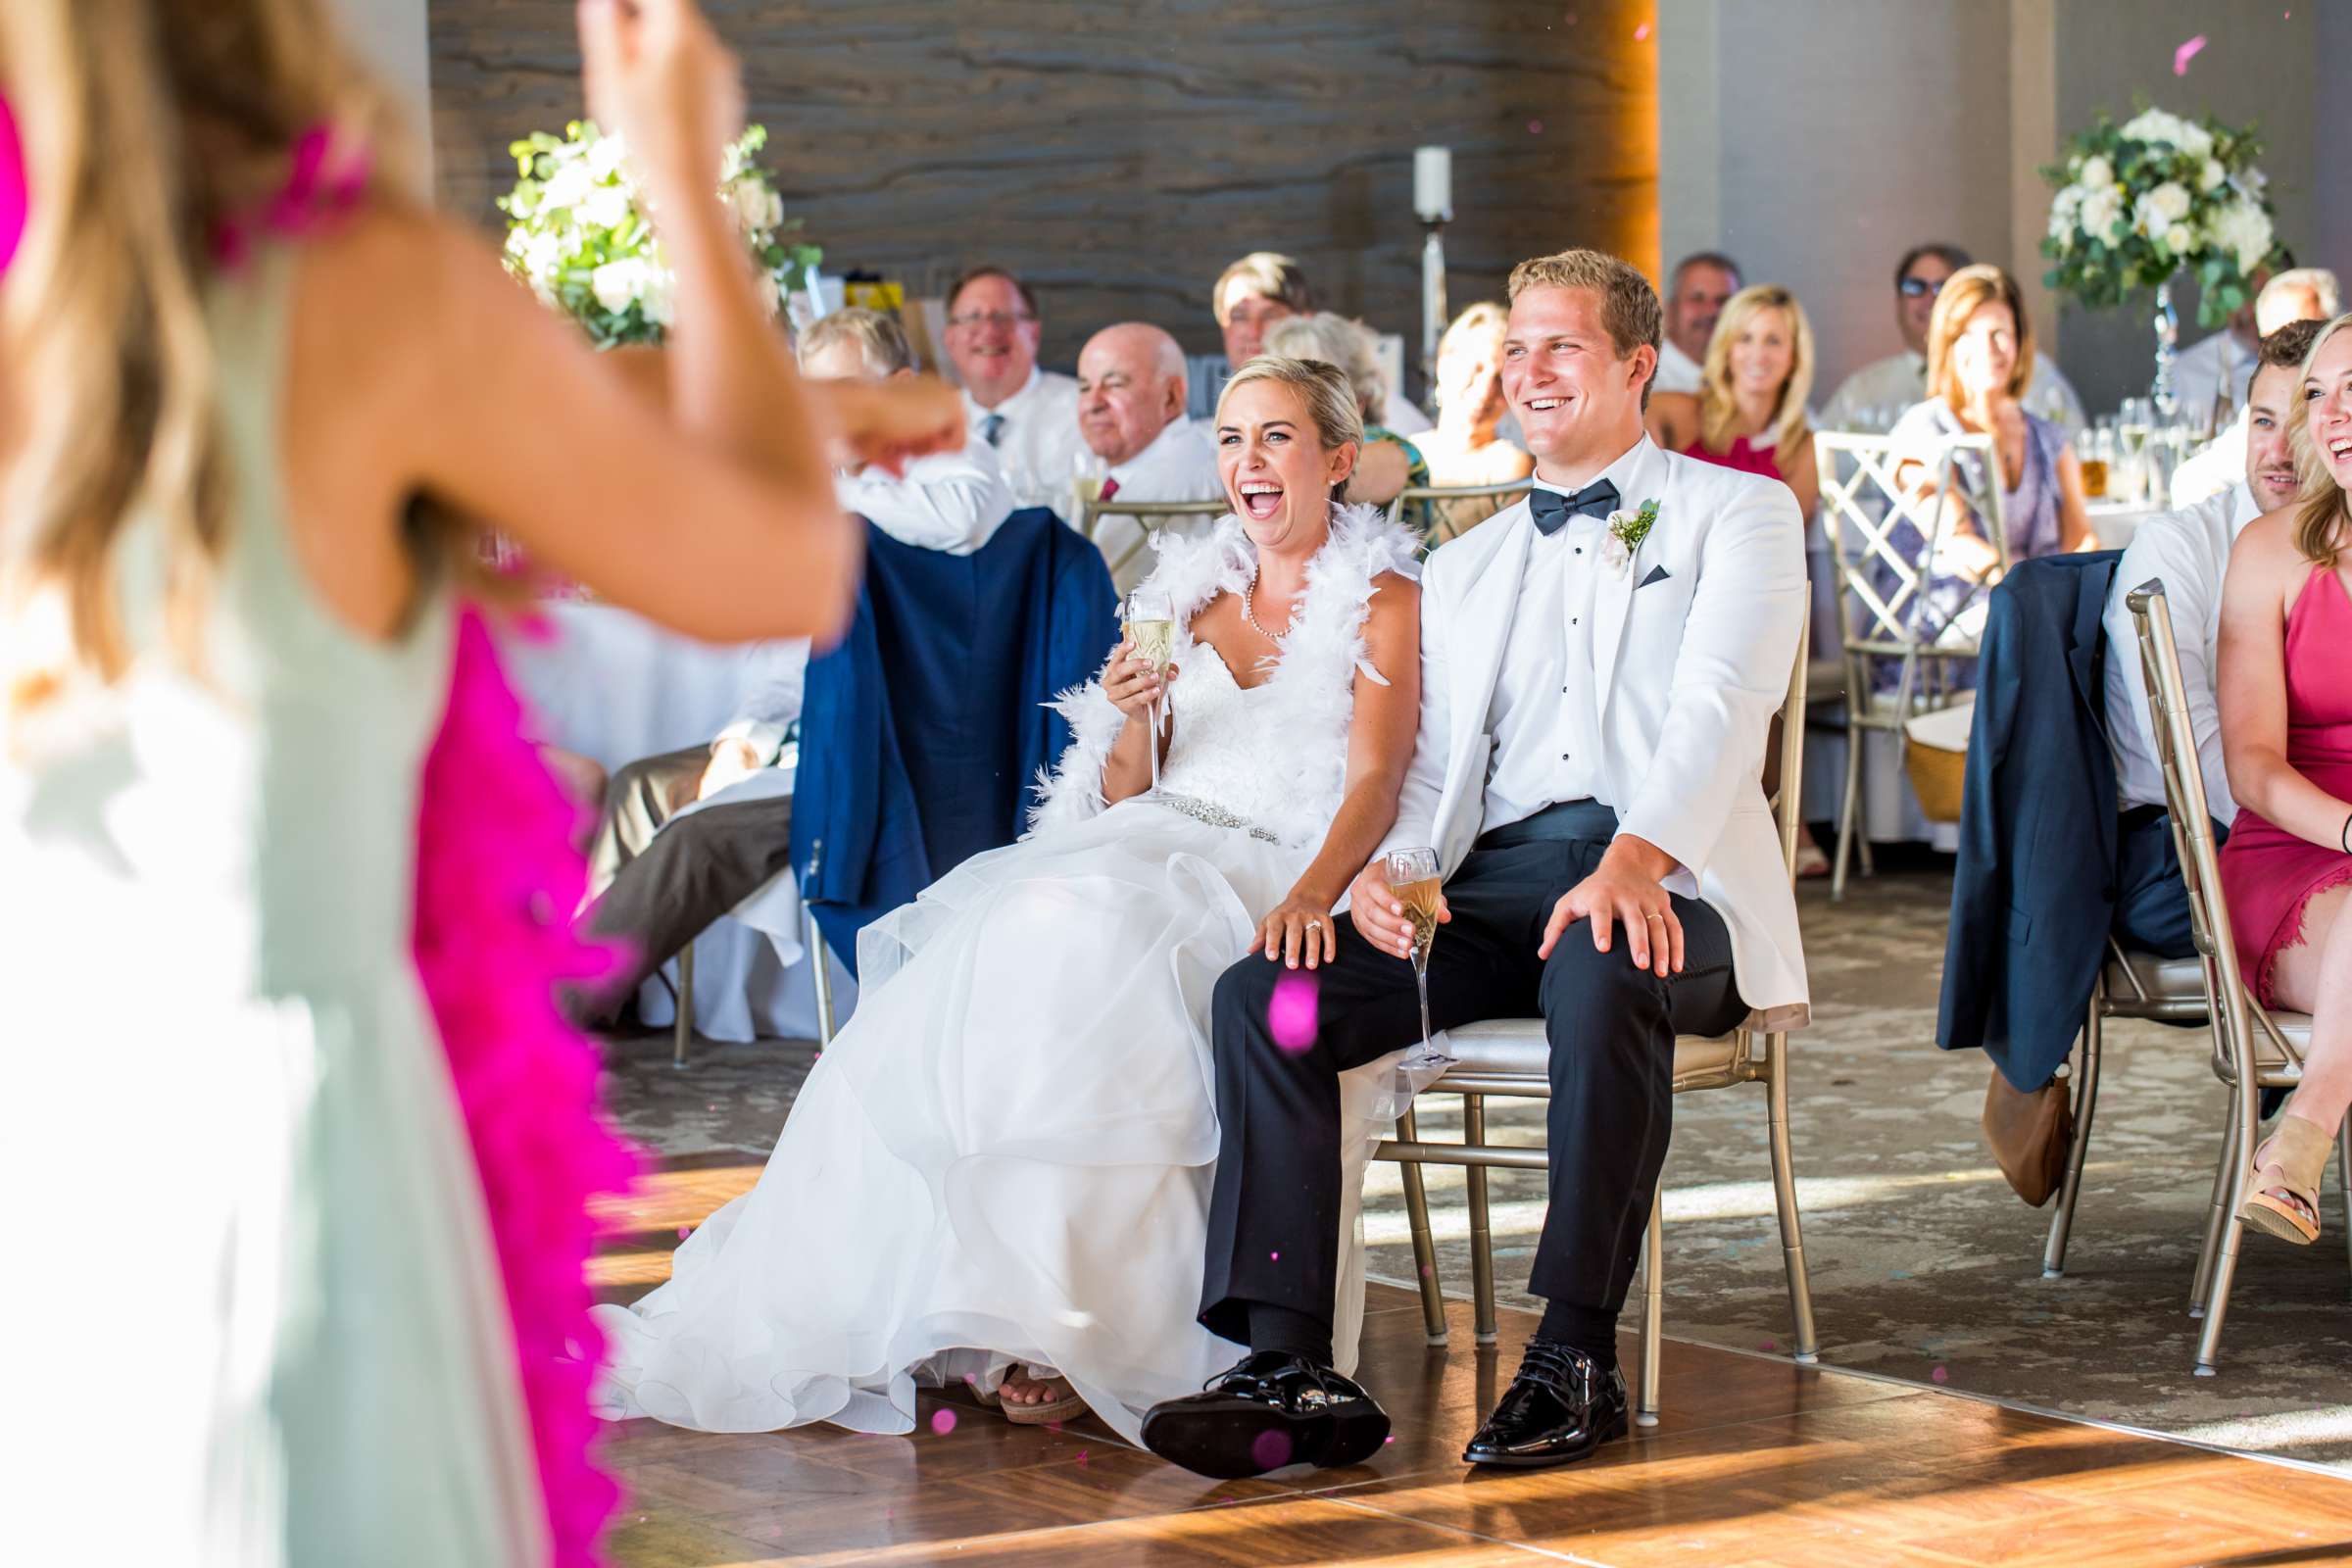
x=1875 y=396
x=2302 y=294
x=1699 y=287
x=2189 y=551
x=1599 y=667
x=1131 y=401
x=952 y=502
x=1026 y=413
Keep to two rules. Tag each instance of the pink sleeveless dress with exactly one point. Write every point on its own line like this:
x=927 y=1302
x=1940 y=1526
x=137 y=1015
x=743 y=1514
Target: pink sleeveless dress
x=1746 y=456
x=2269 y=875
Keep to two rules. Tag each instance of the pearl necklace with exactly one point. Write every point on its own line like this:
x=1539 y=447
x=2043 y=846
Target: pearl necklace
x=1249 y=611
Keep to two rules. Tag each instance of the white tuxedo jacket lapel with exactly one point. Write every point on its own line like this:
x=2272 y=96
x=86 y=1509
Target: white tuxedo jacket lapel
x=1614 y=595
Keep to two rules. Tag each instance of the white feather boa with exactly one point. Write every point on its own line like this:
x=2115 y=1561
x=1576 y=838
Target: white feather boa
x=1311 y=696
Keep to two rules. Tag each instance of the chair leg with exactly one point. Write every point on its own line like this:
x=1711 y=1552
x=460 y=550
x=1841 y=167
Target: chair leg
x=1783 y=1196
x=1653 y=1309
x=1482 y=1240
x=685 y=1024
x=2214 y=1214
x=813 y=940
x=1849 y=807
x=1425 y=1246
x=2087 y=1105
x=2240 y=1153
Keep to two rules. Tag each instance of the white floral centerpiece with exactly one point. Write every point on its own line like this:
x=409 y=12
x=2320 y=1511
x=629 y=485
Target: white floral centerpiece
x=577 y=232
x=2140 y=203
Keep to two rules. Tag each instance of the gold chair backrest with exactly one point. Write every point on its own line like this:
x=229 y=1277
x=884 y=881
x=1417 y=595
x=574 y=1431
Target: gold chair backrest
x=1441 y=527
x=1150 y=517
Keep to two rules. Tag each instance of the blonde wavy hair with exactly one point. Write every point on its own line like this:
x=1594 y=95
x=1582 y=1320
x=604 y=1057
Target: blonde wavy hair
x=145 y=123
x=1963 y=294
x=2323 y=516
x=1717 y=412
x=1330 y=398
x=1334 y=339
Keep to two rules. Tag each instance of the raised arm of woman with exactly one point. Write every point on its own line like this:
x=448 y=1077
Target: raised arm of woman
x=1380 y=746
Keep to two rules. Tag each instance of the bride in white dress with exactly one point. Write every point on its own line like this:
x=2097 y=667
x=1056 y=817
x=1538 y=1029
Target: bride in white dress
x=1005 y=1160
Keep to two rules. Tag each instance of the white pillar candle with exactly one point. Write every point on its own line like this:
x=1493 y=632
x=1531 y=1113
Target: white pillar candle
x=1433 y=183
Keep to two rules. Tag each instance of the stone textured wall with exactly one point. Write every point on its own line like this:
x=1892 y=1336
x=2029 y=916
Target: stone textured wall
x=1119 y=152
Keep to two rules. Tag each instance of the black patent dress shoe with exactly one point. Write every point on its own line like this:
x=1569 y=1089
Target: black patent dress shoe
x=1560 y=1407
x=1271 y=1409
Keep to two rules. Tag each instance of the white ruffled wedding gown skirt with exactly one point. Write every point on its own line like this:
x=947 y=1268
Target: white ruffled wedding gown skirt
x=1004 y=1157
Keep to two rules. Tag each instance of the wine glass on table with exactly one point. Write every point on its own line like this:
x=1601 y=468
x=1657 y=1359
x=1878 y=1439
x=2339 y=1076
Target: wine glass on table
x=1413 y=877
x=1150 y=618
x=2135 y=422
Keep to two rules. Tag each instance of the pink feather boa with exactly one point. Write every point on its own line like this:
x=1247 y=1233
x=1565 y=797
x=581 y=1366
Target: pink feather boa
x=496 y=879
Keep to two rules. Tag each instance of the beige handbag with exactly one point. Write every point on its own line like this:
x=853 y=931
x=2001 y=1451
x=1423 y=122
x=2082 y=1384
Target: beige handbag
x=2030 y=1134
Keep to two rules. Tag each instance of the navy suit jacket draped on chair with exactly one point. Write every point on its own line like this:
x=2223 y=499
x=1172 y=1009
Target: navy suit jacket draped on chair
x=2033 y=893
x=922 y=730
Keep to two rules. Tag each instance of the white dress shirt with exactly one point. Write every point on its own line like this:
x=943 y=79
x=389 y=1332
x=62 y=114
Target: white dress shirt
x=2206 y=368
x=952 y=502
x=1891 y=385
x=2189 y=551
x=1677 y=371
x=1034 y=431
x=1180 y=465
x=2214 y=466
x=1546 y=728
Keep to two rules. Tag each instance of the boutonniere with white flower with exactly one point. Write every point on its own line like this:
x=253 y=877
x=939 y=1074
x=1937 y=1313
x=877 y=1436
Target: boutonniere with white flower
x=1626 y=531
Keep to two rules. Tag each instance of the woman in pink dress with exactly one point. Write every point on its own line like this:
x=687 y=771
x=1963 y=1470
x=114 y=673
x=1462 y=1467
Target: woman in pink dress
x=2286 y=729
x=1749 y=410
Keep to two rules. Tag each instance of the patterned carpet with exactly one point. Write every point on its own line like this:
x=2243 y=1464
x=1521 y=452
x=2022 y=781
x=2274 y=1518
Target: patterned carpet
x=1925 y=1265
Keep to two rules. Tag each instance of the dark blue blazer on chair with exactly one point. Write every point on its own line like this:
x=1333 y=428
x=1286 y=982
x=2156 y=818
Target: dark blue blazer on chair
x=2033 y=893
x=921 y=731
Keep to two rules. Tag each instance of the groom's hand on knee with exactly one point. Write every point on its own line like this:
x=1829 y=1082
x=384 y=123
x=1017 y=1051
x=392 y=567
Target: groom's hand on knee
x=1378 y=914
x=1622 y=892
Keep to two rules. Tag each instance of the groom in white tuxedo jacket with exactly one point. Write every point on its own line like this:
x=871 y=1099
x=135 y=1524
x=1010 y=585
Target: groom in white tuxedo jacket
x=1600 y=665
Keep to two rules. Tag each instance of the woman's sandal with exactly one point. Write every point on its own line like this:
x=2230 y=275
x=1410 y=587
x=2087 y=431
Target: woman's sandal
x=2285 y=1200
x=1068 y=1406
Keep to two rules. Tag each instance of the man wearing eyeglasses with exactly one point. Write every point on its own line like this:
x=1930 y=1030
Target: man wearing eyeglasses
x=1872 y=397
x=1028 y=415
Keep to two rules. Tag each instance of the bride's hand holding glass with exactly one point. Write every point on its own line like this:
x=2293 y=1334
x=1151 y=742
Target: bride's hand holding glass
x=1378 y=914
x=1301 y=930
x=1133 y=684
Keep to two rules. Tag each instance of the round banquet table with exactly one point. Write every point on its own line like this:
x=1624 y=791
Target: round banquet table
x=614 y=687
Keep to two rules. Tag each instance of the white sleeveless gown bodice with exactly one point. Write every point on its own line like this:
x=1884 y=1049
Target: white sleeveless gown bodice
x=1006 y=1155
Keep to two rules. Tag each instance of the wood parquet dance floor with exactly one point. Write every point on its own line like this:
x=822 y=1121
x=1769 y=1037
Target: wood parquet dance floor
x=1756 y=1463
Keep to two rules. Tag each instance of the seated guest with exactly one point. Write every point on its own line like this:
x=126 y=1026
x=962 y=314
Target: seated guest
x=1131 y=400
x=952 y=502
x=1700 y=285
x=2210 y=376
x=1980 y=354
x=1749 y=410
x=2301 y=294
x=1028 y=415
x=1387 y=462
x=2189 y=551
x=1749 y=414
x=1467 y=448
x=1250 y=296
x=1875 y=395
x=2287 y=728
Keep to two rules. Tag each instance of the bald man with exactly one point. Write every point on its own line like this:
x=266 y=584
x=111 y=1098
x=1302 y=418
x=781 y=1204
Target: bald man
x=1131 y=397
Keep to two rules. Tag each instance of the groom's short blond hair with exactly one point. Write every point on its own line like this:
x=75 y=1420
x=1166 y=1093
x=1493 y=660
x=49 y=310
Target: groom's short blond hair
x=1628 y=306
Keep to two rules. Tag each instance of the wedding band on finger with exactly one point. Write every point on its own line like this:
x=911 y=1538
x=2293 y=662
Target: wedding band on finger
x=1658 y=917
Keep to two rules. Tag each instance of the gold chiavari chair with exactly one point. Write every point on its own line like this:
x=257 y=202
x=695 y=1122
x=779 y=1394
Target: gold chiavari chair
x=1432 y=498
x=1130 y=560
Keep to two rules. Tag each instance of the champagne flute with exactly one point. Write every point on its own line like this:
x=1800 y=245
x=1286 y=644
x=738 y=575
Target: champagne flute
x=1413 y=877
x=1151 y=625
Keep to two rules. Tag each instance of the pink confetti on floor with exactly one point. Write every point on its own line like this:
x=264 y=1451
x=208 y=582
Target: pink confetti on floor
x=1535 y=127
x=1940 y=1374
x=943 y=1422
x=684 y=1232
x=1272 y=1450
x=1292 y=1013
x=2185 y=53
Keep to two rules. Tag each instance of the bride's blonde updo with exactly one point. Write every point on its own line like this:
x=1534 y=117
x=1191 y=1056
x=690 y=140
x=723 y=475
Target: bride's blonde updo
x=1329 y=396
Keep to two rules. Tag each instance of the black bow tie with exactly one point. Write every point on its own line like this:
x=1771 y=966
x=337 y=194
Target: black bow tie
x=1552 y=510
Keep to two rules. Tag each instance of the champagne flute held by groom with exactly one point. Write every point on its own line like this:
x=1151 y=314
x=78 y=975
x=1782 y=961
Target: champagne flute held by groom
x=1599 y=667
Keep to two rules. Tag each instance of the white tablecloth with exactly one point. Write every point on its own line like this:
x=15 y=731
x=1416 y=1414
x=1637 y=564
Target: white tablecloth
x=2115 y=523
x=614 y=687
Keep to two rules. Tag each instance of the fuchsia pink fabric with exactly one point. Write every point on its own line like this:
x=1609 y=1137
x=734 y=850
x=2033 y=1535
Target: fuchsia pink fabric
x=12 y=186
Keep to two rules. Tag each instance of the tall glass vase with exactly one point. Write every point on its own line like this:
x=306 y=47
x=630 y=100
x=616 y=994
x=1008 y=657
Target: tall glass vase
x=2167 y=337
